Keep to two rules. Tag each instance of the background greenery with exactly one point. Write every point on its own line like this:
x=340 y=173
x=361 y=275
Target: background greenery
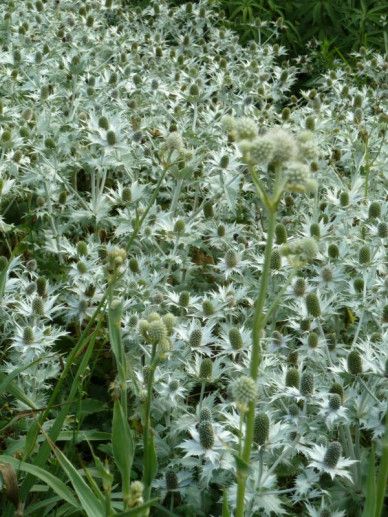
x=338 y=27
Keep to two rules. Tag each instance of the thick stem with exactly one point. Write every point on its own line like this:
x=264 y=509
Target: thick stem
x=258 y=324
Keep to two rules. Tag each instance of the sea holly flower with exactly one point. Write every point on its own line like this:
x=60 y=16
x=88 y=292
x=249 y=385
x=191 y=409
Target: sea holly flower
x=213 y=444
x=329 y=460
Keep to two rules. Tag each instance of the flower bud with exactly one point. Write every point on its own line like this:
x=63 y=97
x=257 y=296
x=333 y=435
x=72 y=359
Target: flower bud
x=103 y=123
x=358 y=284
x=333 y=251
x=171 y=480
x=286 y=113
x=307 y=384
x=354 y=362
x=280 y=234
x=364 y=256
x=195 y=339
x=313 y=340
x=206 y=369
x=333 y=454
x=310 y=123
x=206 y=434
x=315 y=230
x=344 y=199
x=37 y=306
x=134 y=265
x=337 y=389
x=292 y=378
x=41 y=286
x=184 y=298
x=179 y=227
x=231 y=259
x=224 y=161
x=208 y=308
x=208 y=210
x=382 y=230
x=221 y=230
x=28 y=335
x=276 y=260
x=261 y=428
x=244 y=391
x=334 y=402
x=82 y=248
x=305 y=325
x=292 y=358
x=299 y=287
x=111 y=137
x=157 y=332
x=235 y=338
x=374 y=210
x=312 y=305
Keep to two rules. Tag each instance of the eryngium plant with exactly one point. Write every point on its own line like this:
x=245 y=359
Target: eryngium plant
x=134 y=265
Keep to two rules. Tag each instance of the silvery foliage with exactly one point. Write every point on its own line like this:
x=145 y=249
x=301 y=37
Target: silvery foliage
x=164 y=79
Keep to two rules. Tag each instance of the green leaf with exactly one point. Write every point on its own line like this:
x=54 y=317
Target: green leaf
x=33 y=433
x=370 y=489
x=52 y=481
x=91 y=504
x=17 y=392
x=382 y=477
x=123 y=446
x=91 y=406
x=15 y=373
x=241 y=464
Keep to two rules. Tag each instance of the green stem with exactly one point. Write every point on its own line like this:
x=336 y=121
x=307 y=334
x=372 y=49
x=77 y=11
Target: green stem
x=147 y=426
x=258 y=324
x=203 y=384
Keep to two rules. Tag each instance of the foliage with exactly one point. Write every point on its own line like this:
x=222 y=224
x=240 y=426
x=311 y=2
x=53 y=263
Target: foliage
x=339 y=27
x=193 y=315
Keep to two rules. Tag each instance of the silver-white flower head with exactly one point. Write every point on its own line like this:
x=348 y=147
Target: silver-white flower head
x=259 y=151
x=308 y=150
x=246 y=129
x=285 y=146
x=318 y=454
x=174 y=142
x=298 y=178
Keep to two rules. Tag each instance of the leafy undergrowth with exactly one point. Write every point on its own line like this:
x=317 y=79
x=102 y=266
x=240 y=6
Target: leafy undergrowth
x=161 y=195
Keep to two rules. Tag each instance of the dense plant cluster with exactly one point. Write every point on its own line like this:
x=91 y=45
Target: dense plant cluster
x=161 y=195
x=336 y=28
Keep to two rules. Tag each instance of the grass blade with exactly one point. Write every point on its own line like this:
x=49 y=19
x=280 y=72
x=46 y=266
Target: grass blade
x=91 y=504
x=55 y=430
x=123 y=447
x=52 y=481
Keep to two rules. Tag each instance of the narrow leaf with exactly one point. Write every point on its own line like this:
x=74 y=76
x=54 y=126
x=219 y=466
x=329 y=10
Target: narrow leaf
x=370 y=489
x=91 y=504
x=52 y=481
x=122 y=445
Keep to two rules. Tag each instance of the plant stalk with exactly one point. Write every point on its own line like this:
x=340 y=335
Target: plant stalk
x=258 y=324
